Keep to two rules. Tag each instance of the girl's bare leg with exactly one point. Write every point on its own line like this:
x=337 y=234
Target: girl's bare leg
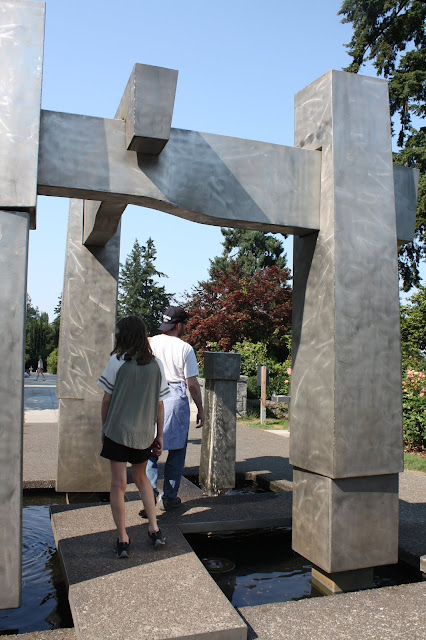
x=145 y=489
x=118 y=489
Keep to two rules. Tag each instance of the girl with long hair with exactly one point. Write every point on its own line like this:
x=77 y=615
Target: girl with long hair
x=134 y=386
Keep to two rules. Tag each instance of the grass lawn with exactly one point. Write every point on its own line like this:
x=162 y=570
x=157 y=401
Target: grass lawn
x=413 y=462
x=271 y=423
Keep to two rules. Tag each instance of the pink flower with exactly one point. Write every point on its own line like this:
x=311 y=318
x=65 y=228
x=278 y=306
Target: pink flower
x=289 y=371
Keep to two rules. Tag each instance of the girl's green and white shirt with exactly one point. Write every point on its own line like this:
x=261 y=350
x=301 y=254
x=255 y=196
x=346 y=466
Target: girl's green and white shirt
x=136 y=391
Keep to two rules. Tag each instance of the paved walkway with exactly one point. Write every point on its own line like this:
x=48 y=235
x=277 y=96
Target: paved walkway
x=40 y=432
x=394 y=613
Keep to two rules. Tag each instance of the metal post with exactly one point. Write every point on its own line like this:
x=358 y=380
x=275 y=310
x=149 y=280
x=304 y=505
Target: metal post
x=263 y=371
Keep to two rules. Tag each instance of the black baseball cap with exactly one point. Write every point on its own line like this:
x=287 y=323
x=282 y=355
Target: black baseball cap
x=172 y=316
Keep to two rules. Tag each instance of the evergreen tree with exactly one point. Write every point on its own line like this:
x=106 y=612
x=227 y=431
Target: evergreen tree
x=57 y=320
x=251 y=250
x=139 y=295
x=391 y=34
x=32 y=312
x=40 y=335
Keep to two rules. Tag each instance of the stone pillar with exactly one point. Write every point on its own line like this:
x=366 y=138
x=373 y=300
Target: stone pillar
x=218 y=445
x=14 y=228
x=345 y=411
x=21 y=56
x=88 y=317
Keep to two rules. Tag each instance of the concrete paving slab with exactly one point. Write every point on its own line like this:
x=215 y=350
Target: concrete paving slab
x=146 y=595
x=391 y=613
x=412 y=519
x=40 y=455
x=40 y=401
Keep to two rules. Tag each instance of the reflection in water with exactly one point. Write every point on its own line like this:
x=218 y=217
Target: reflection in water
x=44 y=597
x=266 y=569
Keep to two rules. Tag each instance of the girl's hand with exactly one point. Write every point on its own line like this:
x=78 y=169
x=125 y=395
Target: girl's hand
x=157 y=447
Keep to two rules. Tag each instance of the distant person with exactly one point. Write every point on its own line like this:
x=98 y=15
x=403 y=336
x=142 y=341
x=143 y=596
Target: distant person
x=30 y=370
x=181 y=369
x=135 y=386
x=40 y=368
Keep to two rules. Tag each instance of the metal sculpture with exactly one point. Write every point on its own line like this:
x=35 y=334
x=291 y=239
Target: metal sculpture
x=337 y=192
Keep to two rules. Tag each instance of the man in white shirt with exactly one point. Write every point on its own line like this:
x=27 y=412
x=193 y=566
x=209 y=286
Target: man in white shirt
x=181 y=370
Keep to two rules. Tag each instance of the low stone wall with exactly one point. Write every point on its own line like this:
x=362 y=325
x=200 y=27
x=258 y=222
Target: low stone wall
x=241 y=395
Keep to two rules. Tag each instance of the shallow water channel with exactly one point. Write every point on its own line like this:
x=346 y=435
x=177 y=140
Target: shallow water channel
x=258 y=567
x=44 y=595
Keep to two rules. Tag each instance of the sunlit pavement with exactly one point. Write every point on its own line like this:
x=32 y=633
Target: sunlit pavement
x=40 y=401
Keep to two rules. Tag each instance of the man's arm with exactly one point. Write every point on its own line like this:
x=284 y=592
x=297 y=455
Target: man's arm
x=160 y=425
x=195 y=391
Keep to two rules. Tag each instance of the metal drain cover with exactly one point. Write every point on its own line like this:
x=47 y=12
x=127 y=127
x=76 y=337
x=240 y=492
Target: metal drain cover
x=218 y=565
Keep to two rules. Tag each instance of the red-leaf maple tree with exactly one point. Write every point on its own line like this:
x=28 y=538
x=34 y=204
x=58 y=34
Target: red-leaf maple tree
x=233 y=306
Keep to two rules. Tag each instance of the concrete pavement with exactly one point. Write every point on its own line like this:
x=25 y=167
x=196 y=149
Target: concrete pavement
x=40 y=432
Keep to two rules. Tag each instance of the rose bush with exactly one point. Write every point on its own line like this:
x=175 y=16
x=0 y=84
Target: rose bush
x=414 y=407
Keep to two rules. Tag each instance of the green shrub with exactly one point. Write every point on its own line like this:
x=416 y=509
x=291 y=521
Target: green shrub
x=253 y=390
x=52 y=361
x=279 y=378
x=253 y=355
x=414 y=408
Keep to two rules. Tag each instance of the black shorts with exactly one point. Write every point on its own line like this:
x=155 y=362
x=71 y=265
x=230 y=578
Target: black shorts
x=120 y=453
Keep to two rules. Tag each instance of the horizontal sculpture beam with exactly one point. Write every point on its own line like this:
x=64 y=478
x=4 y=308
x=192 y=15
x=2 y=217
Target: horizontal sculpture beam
x=244 y=183
x=202 y=177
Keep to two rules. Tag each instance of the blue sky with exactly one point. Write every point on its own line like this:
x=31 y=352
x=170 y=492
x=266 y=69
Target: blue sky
x=240 y=64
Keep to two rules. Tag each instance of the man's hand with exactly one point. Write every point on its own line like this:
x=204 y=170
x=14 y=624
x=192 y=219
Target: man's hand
x=200 y=419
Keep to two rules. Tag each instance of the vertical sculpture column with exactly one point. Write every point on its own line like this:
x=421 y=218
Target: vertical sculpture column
x=346 y=414
x=88 y=317
x=13 y=290
x=21 y=56
x=218 y=446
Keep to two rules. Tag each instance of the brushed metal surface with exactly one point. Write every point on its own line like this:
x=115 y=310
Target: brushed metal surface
x=346 y=381
x=80 y=467
x=88 y=312
x=101 y=221
x=147 y=107
x=88 y=317
x=201 y=177
x=14 y=229
x=21 y=58
x=345 y=524
x=406 y=182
